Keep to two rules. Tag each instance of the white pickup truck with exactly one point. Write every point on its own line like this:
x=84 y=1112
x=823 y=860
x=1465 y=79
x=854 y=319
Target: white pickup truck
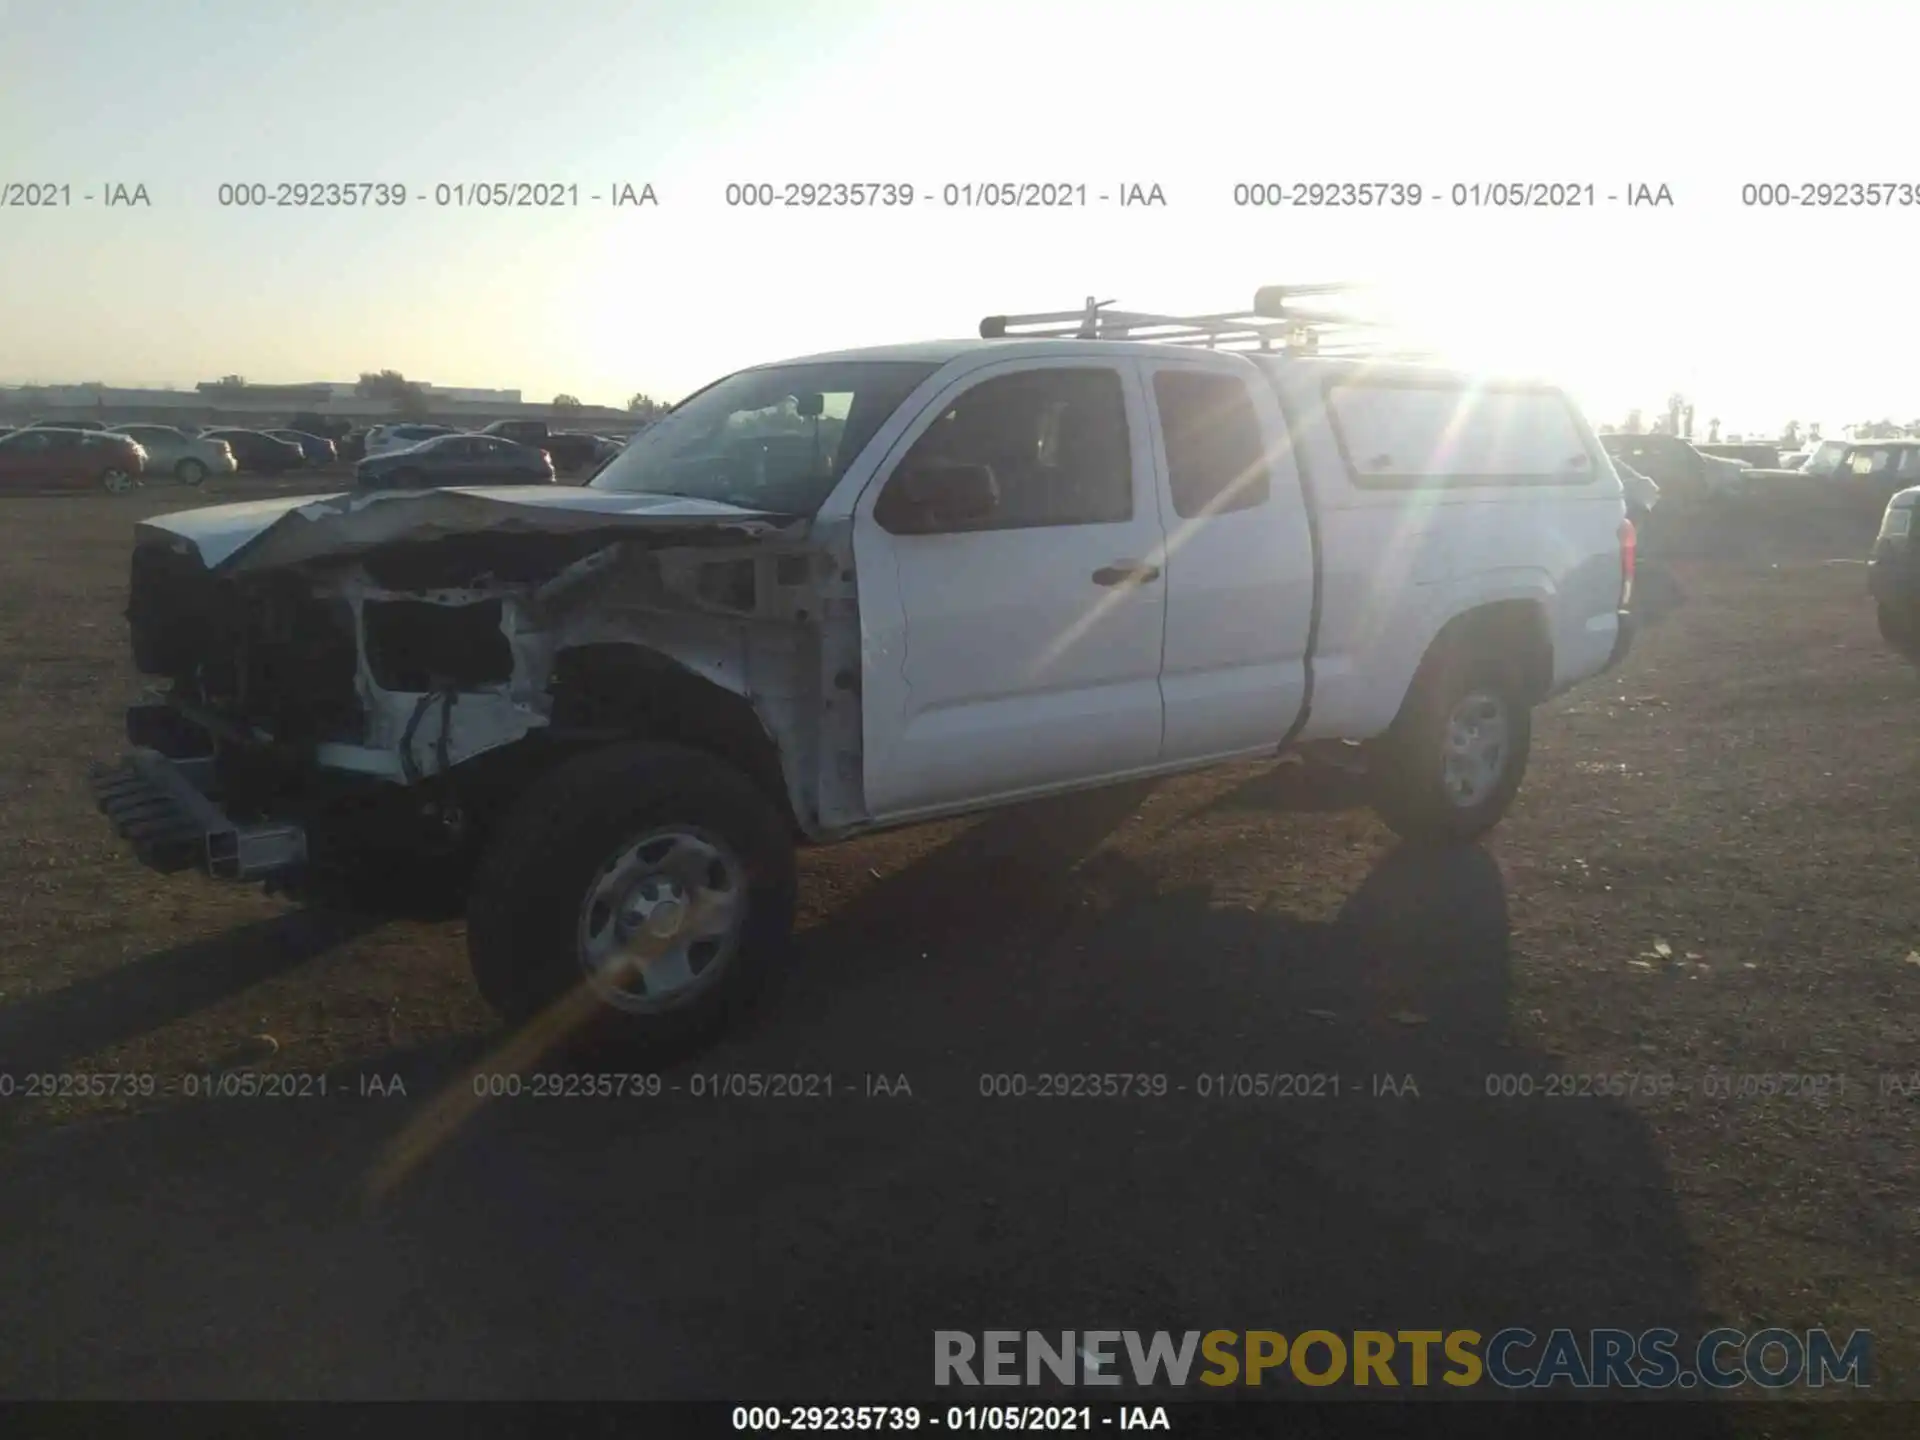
x=860 y=590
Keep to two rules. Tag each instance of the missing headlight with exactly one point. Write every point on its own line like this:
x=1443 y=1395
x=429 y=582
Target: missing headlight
x=413 y=645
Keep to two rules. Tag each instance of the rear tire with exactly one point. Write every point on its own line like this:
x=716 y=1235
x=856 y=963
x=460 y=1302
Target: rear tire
x=190 y=472
x=117 y=482
x=675 y=827
x=1447 y=772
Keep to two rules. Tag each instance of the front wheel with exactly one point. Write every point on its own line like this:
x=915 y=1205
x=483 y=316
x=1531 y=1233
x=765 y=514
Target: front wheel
x=1449 y=768
x=1899 y=630
x=190 y=472
x=642 y=893
x=117 y=482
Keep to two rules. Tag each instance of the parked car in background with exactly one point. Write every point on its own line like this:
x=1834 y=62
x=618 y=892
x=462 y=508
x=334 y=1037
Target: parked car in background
x=1886 y=466
x=1823 y=459
x=1766 y=465
x=448 y=460
x=63 y=425
x=352 y=445
x=260 y=453
x=327 y=427
x=1642 y=494
x=43 y=457
x=188 y=458
x=382 y=438
x=570 y=450
x=1893 y=577
x=1677 y=467
x=317 y=448
x=1760 y=456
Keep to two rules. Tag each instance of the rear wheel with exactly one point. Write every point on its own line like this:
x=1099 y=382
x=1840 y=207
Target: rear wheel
x=117 y=482
x=1449 y=768
x=190 y=472
x=641 y=893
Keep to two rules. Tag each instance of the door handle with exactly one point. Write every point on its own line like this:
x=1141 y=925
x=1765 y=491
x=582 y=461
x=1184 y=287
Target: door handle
x=1126 y=570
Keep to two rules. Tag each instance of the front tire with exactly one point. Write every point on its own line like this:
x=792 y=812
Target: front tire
x=1447 y=772
x=649 y=886
x=117 y=482
x=190 y=472
x=1898 y=629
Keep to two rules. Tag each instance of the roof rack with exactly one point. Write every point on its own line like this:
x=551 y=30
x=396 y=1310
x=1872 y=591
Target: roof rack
x=1274 y=321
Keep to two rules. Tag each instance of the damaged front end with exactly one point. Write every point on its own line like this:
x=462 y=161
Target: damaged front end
x=382 y=673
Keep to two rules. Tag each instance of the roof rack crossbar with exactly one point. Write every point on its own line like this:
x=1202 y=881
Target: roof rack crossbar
x=1272 y=320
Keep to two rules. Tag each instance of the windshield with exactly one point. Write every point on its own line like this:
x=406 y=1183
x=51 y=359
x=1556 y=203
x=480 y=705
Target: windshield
x=775 y=439
x=1826 y=456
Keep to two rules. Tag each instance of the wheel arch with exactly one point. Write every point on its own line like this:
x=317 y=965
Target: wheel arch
x=1515 y=631
x=623 y=690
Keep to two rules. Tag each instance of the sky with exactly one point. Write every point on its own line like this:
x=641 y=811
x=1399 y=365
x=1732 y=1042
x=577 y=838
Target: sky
x=1758 y=314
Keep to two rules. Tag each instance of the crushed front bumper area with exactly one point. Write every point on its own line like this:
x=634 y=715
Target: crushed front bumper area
x=163 y=809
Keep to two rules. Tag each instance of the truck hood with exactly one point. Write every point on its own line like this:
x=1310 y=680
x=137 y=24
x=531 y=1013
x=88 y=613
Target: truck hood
x=267 y=534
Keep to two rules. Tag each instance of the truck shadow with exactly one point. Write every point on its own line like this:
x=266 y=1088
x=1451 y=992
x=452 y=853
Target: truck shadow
x=1270 y=1165
x=46 y=1032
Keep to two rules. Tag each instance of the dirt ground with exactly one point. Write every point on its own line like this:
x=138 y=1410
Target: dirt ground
x=1704 y=880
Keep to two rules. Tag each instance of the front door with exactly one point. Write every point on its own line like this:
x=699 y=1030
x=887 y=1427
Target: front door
x=1017 y=650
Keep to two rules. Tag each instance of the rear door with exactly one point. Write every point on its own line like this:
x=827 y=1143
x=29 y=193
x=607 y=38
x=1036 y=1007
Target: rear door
x=70 y=460
x=1019 y=652
x=1239 y=558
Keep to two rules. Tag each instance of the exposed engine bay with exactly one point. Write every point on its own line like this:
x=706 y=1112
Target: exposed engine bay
x=393 y=639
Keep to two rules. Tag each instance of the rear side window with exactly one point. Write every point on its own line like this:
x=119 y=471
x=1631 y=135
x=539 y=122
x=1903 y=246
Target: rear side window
x=1216 y=460
x=1406 y=436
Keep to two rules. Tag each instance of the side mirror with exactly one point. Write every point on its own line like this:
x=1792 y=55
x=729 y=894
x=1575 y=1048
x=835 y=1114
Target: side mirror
x=931 y=496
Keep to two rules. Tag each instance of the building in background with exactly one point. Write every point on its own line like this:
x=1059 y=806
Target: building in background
x=218 y=402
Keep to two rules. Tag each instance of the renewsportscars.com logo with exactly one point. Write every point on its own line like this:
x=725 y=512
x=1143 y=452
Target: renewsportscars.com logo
x=1512 y=1359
